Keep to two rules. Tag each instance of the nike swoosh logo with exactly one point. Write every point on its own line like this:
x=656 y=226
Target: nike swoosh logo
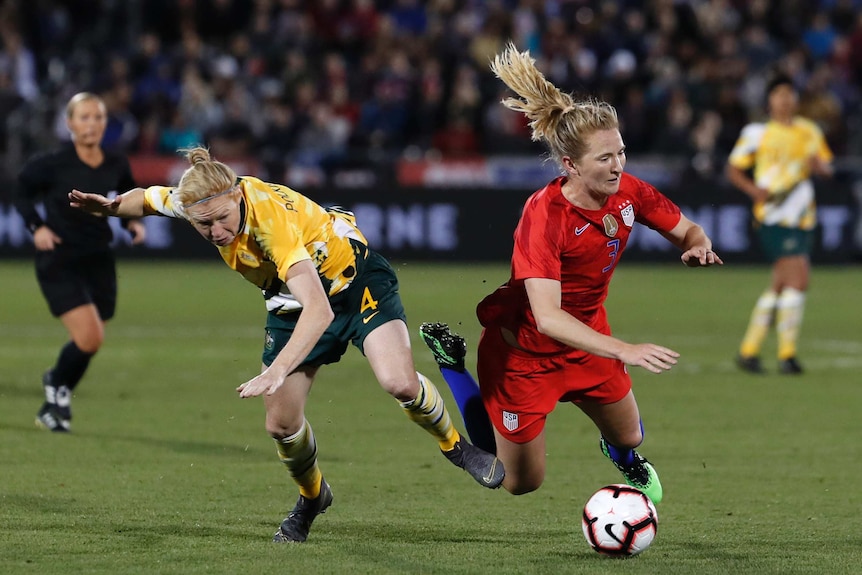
x=487 y=479
x=609 y=529
x=579 y=231
x=367 y=319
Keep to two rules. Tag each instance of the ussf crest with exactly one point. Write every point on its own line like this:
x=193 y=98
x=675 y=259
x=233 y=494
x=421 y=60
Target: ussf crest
x=510 y=420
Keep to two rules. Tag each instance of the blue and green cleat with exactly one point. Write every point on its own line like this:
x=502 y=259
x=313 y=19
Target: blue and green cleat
x=639 y=474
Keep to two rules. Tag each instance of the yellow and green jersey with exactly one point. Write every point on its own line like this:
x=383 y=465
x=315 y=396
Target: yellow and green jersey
x=780 y=155
x=280 y=227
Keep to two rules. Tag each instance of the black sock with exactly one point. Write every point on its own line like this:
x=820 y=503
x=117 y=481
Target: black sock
x=71 y=365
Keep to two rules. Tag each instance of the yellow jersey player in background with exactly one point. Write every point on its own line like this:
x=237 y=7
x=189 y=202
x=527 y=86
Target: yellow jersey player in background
x=783 y=153
x=324 y=288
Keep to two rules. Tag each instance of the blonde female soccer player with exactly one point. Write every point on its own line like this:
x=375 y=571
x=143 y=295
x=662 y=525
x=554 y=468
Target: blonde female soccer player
x=324 y=288
x=75 y=264
x=546 y=336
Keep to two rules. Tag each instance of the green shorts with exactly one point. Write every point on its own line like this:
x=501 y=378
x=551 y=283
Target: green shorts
x=370 y=301
x=778 y=242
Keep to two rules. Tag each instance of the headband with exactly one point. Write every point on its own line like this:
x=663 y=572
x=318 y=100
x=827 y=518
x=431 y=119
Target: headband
x=206 y=199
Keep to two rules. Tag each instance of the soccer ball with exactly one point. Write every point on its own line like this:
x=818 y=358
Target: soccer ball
x=619 y=520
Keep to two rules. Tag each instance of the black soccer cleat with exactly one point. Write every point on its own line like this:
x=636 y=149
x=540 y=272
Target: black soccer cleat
x=484 y=467
x=449 y=348
x=49 y=418
x=58 y=395
x=790 y=366
x=750 y=364
x=295 y=527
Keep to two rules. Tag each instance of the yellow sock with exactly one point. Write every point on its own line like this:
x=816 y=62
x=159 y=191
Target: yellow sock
x=758 y=324
x=429 y=411
x=791 y=305
x=299 y=454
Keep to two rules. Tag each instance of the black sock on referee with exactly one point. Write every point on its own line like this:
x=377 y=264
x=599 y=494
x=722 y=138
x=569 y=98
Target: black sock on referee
x=71 y=365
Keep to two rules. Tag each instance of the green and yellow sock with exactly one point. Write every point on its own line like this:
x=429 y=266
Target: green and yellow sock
x=298 y=452
x=791 y=306
x=428 y=410
x=758 y=324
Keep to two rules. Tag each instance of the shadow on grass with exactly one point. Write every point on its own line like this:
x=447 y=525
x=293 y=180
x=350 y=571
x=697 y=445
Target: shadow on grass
x=191 y=447
x=86 y=521
x=183 y=446
x=399 y=532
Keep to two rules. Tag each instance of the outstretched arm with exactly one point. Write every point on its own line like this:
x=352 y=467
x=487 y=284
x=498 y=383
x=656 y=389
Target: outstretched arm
x=695 y=244
x=128 y=205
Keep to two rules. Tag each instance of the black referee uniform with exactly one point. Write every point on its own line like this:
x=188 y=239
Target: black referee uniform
x=81 y=269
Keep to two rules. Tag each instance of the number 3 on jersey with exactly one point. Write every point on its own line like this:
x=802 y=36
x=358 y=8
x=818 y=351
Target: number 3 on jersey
x=368 y=303
x=615 y=249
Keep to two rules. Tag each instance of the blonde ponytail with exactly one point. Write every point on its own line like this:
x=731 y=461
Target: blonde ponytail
x=555 y=117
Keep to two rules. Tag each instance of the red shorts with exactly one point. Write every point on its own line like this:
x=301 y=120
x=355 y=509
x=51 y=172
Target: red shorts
x=520 y=389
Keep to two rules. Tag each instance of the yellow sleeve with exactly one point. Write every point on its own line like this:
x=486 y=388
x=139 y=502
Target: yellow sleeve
x=824 y=153
x=159 y=199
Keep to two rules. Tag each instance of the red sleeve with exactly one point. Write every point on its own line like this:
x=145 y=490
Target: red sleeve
x=537 y=241
x=656 y=210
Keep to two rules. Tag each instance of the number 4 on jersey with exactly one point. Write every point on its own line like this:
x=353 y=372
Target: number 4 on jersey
x=368 y=303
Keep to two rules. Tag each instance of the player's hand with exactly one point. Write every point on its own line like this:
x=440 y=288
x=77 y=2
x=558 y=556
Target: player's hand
x=45 y=239
x=95 y=204
x=267 y=382
x=820 y=168
x=649 y=356
x=700 y=257
x=138 y=231
x=760 y=195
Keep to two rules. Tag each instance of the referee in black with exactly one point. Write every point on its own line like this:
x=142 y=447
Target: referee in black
x=74 y=261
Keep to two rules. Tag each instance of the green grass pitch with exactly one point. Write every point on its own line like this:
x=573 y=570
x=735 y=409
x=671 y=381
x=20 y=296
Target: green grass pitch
x=168 y=471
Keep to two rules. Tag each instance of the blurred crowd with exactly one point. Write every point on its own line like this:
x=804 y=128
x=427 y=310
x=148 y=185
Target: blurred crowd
x=332 y=83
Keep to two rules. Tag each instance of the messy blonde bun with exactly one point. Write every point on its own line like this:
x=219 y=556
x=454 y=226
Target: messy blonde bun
x=205 y=178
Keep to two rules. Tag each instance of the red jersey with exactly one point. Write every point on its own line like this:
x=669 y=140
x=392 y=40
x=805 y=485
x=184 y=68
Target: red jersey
x=580 y=248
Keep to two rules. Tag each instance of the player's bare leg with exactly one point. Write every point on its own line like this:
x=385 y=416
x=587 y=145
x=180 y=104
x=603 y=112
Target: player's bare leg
x=621 y=429
x=388 y=351
x=792 y=274
x=524 y=463
x=297 y=450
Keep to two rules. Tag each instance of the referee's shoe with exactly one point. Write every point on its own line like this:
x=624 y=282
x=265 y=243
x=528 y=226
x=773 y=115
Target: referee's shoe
x=56 y=413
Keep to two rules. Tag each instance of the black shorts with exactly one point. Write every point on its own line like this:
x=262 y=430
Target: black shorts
x=71 y=279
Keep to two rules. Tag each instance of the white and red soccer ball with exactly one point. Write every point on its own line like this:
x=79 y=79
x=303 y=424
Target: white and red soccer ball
x=619 y=520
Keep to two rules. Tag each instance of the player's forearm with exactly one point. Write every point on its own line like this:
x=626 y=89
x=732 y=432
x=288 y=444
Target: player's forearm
x=132 y=204
x=563 y=327
x=823 y=169
x=312 y=322
x=743 y=183
x=695 y=237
